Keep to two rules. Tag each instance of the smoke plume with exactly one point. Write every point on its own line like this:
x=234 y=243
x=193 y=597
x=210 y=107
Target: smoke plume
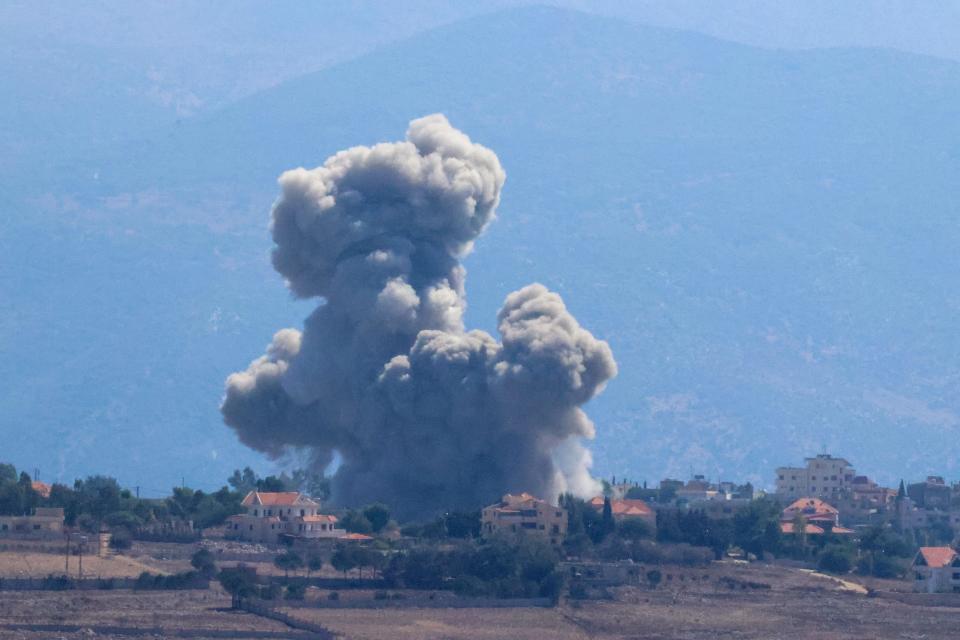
x=424 y=415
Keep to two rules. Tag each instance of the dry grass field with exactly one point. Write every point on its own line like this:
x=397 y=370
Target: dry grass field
x=20 y=564
x=736 y=603
x=726 y=602
x=171 y=611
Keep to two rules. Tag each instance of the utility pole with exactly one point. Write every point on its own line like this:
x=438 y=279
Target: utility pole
x=138 y=491
x=66 y=556
x=80 y=547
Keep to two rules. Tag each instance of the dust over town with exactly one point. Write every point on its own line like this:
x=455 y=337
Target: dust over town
x=422 y=413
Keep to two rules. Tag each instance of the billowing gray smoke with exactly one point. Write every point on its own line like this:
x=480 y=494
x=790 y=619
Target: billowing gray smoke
x=425 y=415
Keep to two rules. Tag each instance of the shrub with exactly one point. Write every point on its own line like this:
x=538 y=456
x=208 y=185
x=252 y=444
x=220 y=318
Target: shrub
x=654 y=577
x=333 y=595
x=203 y=562
x=835 y=558
x=295 y=592
x=121 y=539
x=470 y=586
x=578 y=591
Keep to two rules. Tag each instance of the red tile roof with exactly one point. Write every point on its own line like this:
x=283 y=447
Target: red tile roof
x=278 y=499
x=41 y=487
x=626 y=508
x=321 y=518
x=355 y=536
x=937 y=557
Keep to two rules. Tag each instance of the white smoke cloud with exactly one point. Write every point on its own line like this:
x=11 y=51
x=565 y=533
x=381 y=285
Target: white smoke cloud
x=423 y=414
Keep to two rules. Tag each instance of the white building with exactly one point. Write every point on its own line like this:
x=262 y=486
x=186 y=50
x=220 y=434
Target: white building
x=936 y=570
x=270 y=515
x=823 y=477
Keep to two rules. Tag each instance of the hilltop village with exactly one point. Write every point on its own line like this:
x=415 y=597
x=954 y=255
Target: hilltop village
x=822 y=515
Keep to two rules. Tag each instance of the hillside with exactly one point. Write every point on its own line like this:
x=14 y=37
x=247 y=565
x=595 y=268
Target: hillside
x=766 y=238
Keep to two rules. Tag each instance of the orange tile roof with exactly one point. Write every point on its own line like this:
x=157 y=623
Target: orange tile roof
x=321 y=518
x=812 y=505
x=937 y=556
x=275 y=499
x=41 y=487
x=627 y=507
x=356 y=536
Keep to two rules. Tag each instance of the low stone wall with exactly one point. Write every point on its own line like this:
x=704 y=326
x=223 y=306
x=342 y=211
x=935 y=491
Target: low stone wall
x=419 y=602
x=260 y=609
x=160 y=632
x=60 y=583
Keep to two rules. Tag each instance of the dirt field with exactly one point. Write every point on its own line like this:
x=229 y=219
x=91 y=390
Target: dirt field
x=19 y=564
x=171 y=611
x=733 y=604
x=722 y=602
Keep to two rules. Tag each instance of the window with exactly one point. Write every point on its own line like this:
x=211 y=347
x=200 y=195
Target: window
x=781 y=477
x=36 y=527
x=833 y=477
x=956 y=575
x=255 y=512
x=555 y=529
x=303 y=512
x=919 y=576
x=529 y=525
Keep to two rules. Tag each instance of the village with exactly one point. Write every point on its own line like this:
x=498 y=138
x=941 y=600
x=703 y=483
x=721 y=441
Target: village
x=282 y=557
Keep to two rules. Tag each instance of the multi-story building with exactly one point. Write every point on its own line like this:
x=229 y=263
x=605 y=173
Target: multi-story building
x=936 y=570
x=823 y=477
x=271 y=515
x=44 y=522
x=524 y=514
x=933 y=493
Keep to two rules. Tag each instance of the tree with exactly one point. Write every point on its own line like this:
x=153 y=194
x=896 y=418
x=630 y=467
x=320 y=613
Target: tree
x=203 y=562
x=356 y=522
x=8 y=473
x=314 y=563
x=633 y=529
x=836 y=558
x=607 y=518
x=343 y=559
x=238 y=582
x=463 y=524
x=288 y=561
x=377 y=515
x=243 y=481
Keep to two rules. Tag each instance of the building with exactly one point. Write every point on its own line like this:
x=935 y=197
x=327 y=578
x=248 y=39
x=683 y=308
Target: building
x=271 y=515
x=812 y=510
x=818 y=518
x=44 y=522
x=936 y=570
x=933 y=493
x=524 y=513
x=628 y=509
x=823 y=477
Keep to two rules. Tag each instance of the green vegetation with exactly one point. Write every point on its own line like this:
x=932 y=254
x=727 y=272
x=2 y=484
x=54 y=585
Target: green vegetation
x=522 y=567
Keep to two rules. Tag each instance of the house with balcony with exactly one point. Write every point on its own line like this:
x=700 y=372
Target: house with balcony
x=524 y=514
x=270 y=515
